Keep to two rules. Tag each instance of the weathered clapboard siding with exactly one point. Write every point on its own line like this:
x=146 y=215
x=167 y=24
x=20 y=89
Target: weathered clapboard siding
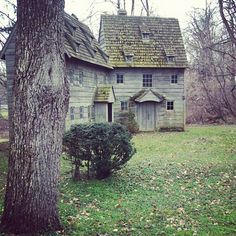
x=161 y=83
x=84 y=80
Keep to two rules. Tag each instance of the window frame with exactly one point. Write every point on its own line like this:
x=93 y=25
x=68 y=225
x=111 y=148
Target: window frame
x=145 y=36
x=120 y=78
x=72 y=113
x=170 y=105
x=147 y=81
x=124 y=105
x=129 y=58
x=174 y=79
x=81 y=112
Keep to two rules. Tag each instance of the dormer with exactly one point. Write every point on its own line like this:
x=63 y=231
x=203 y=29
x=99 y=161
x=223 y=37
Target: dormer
x=170 y=54
x=128 y=54
x=145 y=32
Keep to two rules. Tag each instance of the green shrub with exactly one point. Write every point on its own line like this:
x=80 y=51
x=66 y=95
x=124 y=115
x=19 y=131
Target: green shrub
x=103 y=148
x=127 y=119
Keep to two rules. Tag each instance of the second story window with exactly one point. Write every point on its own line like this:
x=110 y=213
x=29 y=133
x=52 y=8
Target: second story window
x=119 y=79
x=124 y=105
x=147 y=80
x=170 y=105
x=174 y=79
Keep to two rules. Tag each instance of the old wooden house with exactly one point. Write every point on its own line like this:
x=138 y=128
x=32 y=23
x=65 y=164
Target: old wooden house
x=148 y=59
x=138 y=66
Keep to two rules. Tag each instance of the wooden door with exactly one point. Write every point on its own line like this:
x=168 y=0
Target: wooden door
x=147 y=116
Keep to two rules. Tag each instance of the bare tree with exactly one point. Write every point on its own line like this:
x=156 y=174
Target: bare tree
x=40 y=100
x=213 y=63
x=228 y=15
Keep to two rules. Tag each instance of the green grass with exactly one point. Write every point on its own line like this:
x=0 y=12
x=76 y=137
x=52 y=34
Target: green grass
x=176 y=184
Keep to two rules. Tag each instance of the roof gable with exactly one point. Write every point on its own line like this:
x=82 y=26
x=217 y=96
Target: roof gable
x=117 y=33
x=148 y=96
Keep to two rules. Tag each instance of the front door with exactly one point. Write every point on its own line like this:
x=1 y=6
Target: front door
x=147 y=116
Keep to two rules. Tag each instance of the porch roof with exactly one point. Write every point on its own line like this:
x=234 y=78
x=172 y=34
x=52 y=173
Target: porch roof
x=148 y=96
x=104 y=93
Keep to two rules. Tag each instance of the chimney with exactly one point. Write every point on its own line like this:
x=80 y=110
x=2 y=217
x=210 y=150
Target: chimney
x=122 y=12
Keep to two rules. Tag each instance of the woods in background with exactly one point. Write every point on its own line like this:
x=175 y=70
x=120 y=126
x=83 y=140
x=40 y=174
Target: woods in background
x=210 y=80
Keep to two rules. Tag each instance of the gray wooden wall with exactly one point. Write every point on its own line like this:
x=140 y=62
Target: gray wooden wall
x=133 y=82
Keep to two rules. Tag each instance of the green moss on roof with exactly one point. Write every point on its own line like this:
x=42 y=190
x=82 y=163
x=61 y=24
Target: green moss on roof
x=121 y=32
x=103 y=93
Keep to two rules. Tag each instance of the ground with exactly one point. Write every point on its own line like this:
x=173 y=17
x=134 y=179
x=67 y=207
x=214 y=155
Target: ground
x=176 y=184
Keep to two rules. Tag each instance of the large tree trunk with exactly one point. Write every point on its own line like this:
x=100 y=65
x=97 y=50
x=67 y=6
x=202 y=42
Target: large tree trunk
x=40 y=95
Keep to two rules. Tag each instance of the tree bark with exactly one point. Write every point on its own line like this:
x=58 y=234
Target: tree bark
x=40 y=94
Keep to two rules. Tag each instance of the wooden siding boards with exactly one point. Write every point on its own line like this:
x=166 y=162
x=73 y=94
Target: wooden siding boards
x=133 y=82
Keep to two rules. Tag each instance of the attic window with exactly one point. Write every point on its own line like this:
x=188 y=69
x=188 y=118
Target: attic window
x=129 y=58
x=145 y=35
x=170 y=59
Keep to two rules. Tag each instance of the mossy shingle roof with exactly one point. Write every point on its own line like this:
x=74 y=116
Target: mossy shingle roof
x=104 y=93
x=121 y=33
x=81 y=44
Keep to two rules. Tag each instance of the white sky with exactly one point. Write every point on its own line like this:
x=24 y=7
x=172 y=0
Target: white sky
x=164 y=8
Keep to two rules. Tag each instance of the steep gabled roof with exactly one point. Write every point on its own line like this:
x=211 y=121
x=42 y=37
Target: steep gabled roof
x=79 y=43
x=117 y=32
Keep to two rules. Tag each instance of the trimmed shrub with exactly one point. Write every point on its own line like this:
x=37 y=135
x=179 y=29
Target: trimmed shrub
x=127 y=119
x=102 y=148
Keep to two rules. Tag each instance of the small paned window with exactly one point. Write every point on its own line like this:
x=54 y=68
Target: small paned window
x=170 y=105
x=72 y=113
x=146 y=36
x=129 y=58
x=147 y=80
x=81 y=112
x=124 y=105
x=170 y=59
x=174 y=79
x=119 y=79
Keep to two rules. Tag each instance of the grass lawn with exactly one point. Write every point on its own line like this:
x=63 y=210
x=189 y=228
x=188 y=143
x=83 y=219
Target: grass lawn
x=176 y=184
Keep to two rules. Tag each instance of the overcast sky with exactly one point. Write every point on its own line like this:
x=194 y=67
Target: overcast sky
x=164 y=8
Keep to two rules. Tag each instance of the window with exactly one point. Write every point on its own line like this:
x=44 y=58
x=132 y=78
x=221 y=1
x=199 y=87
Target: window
x=96 y=79
x=170 y=59
x=124 y=105
x=119 y=79
x=174 y=79
x=81 y=77
x=146 y=36
x=72 y=113
x=81 y=112
x=129 y=58
x=170 y=105
x=147 y=80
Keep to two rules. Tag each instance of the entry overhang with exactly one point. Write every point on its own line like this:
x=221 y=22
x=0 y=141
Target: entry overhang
x=149 y=96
